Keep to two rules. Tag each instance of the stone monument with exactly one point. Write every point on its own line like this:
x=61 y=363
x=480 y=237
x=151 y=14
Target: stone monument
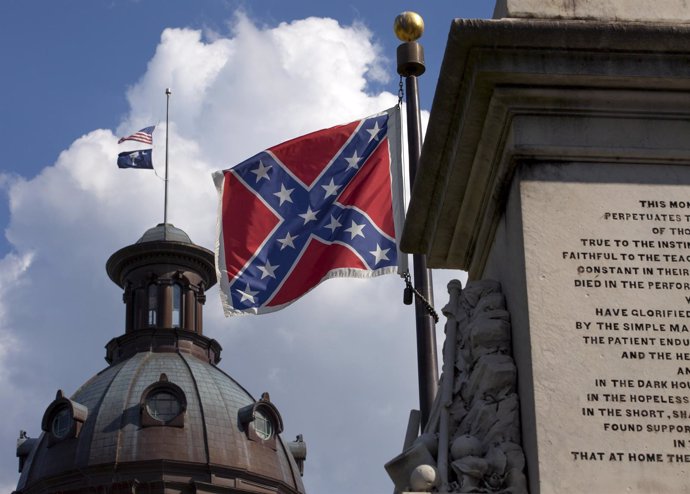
x=556 y=163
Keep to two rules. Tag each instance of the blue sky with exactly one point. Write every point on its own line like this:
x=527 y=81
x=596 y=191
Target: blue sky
x=245 y=75
x=69 y=62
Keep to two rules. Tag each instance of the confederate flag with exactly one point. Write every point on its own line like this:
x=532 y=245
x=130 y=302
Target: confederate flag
x=323 y=205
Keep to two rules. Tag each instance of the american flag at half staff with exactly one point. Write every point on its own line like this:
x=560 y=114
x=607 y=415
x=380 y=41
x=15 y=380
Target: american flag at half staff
x=324 y=205
x=144 y=135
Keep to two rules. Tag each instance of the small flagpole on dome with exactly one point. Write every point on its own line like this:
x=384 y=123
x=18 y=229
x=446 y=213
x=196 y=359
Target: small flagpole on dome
x=168 y=92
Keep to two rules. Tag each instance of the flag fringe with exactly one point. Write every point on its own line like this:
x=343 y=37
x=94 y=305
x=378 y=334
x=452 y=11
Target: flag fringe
x=229 y=310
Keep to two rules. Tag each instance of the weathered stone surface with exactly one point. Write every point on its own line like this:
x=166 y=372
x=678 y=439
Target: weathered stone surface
x=530 y=89
x=541 y=126
x=612 y=10
x=609 y=327
x=476 y=421
x=401 y=469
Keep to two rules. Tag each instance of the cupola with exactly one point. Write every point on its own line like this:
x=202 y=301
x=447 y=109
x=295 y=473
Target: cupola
x=164 y=276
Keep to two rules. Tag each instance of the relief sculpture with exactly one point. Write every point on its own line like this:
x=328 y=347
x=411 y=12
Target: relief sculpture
x=472 y=441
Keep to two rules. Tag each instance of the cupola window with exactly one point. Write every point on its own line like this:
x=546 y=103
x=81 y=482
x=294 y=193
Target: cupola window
x=63 y=419
x=152 y=304
x=261 y=421
x=262 y=425
x=61 y=423
x=163 y=403
x=176 y=305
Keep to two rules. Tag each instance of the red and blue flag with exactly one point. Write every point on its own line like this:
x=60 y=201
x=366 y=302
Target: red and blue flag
x=324 y=205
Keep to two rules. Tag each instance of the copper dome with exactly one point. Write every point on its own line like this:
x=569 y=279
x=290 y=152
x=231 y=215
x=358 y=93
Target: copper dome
x=162 y=417
x=114 y=447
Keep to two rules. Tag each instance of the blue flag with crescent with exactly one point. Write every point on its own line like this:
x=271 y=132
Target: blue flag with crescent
x=135 y=159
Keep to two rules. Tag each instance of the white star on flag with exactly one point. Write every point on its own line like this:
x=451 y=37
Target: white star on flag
x=309 y=215
x=247 y=294
x=379 y=254
x=334 y=224
x=331 y=189
x=374 y=132
x=287 y=241
x=284 y=194
x=261 y=171
x=355 y=230
x=268 y=270
x=353 y=161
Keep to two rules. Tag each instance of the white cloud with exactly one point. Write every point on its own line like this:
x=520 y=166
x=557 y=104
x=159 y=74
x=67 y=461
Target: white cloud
x=339 y=364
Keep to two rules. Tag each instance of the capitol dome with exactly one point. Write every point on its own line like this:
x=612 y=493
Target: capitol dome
x=162 y=417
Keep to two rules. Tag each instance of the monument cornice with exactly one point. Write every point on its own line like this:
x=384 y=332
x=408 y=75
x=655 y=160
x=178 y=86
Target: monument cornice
x=499 y=77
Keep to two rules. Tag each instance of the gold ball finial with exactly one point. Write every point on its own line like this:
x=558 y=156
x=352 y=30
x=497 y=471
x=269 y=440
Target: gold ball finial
x=409 y=26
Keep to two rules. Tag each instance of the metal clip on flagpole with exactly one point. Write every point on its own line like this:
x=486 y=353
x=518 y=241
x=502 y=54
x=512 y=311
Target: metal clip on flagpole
x=409 y=27
x=168 y=92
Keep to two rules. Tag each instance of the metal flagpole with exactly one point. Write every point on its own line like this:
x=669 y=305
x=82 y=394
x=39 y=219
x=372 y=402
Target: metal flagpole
x=409 y=27
x=168 y=92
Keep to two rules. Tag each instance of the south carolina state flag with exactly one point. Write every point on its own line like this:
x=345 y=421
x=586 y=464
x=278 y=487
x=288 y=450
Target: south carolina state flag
x=324 y=205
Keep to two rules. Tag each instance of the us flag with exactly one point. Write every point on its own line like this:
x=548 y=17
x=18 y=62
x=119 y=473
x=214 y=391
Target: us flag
x=324 y=205
x=145 y=135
